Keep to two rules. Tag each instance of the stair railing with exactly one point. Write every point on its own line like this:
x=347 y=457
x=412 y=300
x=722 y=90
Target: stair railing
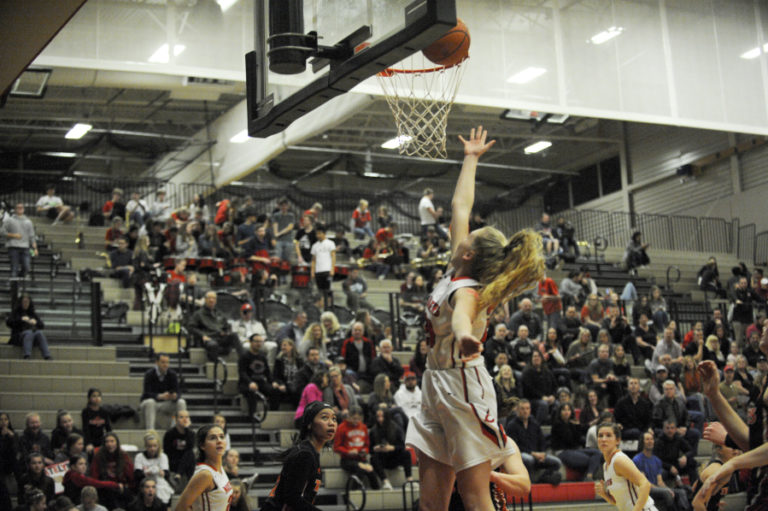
x=354 y=483
x=600 y=245
x=673 y=270
x=218 y=384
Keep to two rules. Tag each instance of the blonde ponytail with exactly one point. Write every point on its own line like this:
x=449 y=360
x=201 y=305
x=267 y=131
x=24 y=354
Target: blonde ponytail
x=504 y=267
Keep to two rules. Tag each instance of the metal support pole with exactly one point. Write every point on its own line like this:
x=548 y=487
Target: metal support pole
x=96 y=332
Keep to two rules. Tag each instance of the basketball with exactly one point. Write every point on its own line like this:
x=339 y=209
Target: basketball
x=451 y=48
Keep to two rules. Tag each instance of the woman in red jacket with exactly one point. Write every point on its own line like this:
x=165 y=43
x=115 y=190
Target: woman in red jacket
x=111 y=463
x=75 y=480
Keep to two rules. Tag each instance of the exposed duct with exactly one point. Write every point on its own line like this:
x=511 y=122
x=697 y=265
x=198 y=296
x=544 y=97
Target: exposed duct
x=181 y=87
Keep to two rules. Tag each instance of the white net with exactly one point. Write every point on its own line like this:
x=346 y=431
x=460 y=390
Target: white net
x=420 y=100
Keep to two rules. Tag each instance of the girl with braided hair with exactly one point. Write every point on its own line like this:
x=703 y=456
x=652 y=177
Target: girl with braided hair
x=457 y=434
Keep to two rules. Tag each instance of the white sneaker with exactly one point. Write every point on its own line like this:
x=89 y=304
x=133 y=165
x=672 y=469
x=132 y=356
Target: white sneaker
x=386 y=485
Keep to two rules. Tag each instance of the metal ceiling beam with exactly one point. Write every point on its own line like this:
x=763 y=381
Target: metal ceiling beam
x=427 y=160
x=127 y=133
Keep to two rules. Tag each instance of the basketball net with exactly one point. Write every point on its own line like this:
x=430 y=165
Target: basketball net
x=420 y=98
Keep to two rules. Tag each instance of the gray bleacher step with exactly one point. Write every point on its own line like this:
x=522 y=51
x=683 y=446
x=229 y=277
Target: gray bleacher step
x=64 y=352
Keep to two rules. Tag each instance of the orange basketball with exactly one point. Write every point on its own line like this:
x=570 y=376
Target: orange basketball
x=451 y=48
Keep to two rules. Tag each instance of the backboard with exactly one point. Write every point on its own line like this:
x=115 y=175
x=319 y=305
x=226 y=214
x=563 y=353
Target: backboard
x=292 y=71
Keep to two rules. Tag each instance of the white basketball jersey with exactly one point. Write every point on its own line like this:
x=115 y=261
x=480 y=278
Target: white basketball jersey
x=217 y=499
x=622 y=489
x=443 y=348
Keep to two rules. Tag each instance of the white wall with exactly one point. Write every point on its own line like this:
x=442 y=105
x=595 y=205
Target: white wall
x=654 y=154
x=677 y=62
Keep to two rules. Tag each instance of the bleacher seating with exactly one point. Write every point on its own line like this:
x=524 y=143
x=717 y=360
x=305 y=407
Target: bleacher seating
x=117 y=367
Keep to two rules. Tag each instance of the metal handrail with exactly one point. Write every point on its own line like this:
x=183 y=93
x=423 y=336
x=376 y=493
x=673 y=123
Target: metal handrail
x=180 y=351
x=218 y=385
x=53 y=272
x=409 y=485
x=354 y=483
x=522 y=502
x=257 y=418
x=670 y=269
x=600 y=244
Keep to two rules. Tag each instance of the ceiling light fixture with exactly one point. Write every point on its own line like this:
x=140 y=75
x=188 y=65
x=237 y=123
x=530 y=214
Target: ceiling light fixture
x=240 y=137
x=78 y=131
x=606 y=35
x=226 y=4
x=526 y=75
x=537 y=147
x=59 y=154
x=517 y=114
x=161 y=54
x=394 y=143
x=754 y=52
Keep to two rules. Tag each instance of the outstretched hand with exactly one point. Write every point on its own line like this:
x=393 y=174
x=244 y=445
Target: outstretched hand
x=476 y=144
x=710 y=378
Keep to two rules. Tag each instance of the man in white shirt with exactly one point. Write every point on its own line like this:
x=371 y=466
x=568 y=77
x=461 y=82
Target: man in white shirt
x=246 y=326
x=428 y=215
x=137 y=209
x=161 y=209
x=54 y=207
x=408 y=396
x=323 y=263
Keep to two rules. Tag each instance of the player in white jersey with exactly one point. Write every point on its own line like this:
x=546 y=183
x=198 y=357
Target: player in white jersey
x=209 y=488
x=457 y=434
x=623 y=484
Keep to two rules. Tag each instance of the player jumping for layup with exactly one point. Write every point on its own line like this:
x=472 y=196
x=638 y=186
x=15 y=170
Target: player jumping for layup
x=457 y=434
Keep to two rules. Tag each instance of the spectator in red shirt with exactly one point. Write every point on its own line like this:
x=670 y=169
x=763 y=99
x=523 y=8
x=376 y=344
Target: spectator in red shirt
x=180 y=216
x=361 y=221
x=551 y=304
x=114 y=208
x=353 y=445
x=222 y=211
x=114 y=233
x=375 y=254
x=386 y=233
x=314 y=213
x=177 y=275
x=76 y=479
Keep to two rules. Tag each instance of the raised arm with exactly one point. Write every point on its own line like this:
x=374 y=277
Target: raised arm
x=734 y=425
x=464 y=194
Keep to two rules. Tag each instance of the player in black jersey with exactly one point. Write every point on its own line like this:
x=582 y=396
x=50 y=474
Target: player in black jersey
x=300 y=478
x=720 y=456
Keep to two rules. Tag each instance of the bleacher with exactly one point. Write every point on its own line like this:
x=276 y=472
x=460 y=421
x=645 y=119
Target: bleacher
x=63 y=301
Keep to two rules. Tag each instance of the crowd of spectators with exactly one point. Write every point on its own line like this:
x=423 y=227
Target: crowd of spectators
x=98 y=473
x=564 y=358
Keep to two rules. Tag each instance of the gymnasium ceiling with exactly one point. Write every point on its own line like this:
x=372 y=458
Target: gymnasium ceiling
x=135 y=125
x=134 y=128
